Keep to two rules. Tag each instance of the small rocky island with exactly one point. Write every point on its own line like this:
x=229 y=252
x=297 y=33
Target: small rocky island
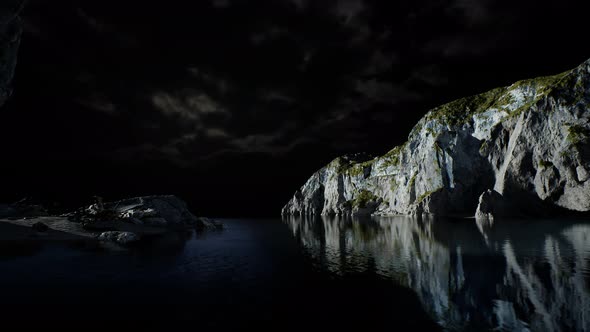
x=124 y=222
x=521 y=150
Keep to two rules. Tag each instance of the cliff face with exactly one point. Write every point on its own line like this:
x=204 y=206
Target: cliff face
x=10 y=33
x=521 y=149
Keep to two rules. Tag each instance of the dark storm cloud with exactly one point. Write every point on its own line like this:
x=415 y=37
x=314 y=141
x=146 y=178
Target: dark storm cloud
x=10 y=9
x=100 y=104
x=221 y=3
x=106 y=30
x=475 y=12
x=205 y=79
x=383 y=92
x=194 y=81
x=270 y=96
x=430 y=75
x=348 y=10
x=380 y=62
x=268 y=34
x=91 y=21
x=373 y=80
x=300 y=4
x=210 y=144
x=189 y=105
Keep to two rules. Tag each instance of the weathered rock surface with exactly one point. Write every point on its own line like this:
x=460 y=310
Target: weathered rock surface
x=122 y=238
x=123 y=222
x=491 y=204
x=154 y=211
x=527 y=142
x=10 y=33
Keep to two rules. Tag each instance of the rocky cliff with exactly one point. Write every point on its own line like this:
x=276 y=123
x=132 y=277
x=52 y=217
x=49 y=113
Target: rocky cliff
x=10 y=32
x=516 y=150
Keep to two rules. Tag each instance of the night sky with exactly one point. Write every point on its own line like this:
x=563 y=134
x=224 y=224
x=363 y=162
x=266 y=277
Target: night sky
x=233 y=104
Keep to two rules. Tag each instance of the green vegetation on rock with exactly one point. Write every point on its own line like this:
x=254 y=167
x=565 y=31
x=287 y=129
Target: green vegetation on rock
x=545 y=84
x=459 y=111
x=431 y=131
x=426 y=194
x=577 y=134
x=393 y=184
x=350 y=167
x=393 y=157
x=359 y=169
x=484 y=146
x=363 y=197
x=545 y=163
x=341 y=164
x=413 y=180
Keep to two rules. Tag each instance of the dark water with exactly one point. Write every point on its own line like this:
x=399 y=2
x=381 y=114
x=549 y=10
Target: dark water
x=394 y=273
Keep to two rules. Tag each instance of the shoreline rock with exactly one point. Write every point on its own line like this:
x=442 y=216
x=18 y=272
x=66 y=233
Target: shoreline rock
x=157 y=211
x=491 y=205
x=122 y=238
x=124 y=222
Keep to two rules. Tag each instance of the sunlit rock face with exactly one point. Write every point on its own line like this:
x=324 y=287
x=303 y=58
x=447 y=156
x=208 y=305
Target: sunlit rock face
x=528 y=142
x=503 y=276
x=10 y=32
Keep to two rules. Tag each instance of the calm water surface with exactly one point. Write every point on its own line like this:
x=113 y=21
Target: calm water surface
x=395 y=273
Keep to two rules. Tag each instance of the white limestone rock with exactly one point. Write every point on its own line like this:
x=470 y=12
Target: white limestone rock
x=527 y=142
x=582 y=174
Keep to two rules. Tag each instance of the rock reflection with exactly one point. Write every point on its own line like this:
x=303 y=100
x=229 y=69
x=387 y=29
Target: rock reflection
x=508 y=276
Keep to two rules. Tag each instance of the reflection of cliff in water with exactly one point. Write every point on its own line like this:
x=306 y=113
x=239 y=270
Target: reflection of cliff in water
x=513 y=275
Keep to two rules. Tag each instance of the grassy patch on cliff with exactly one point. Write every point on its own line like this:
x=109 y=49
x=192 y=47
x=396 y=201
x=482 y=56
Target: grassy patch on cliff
x=350 y=167
x=565 y=86
x=459 y=111
x=426 y=194
x=577 y=134
x=393 y=184
x=544 y=84
x=393 y=157
x=362 y=198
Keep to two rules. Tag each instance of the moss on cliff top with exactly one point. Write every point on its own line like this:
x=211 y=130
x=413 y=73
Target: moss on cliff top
x=543 y=82
x=352 y=165
x=393 y=157
x=460 y=111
